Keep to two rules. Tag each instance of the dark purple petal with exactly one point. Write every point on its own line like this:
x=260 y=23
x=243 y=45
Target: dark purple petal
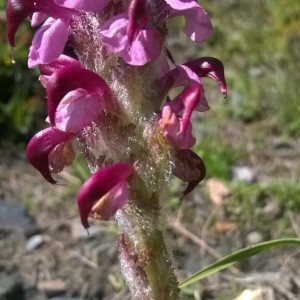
x=40 y=146
x=209 y=67
x=137 y=18
x=99 y=184
x=62 y=61
x=190 y=168
x=18 y=10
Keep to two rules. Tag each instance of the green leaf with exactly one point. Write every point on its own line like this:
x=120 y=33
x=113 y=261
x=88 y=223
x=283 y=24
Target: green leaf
x=237 y=256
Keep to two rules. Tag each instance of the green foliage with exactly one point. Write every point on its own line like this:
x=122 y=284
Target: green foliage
x=218 y=154
x=283 y=192
x=80 y=169
x=21 y=106
x=259 y=44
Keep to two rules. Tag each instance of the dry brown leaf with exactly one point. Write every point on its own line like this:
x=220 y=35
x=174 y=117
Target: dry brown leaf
x=222 y=227
x=217 y=191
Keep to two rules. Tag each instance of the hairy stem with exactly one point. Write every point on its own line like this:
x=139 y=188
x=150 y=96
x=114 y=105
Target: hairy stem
x=145 y=263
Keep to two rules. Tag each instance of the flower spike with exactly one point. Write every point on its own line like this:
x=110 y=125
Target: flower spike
x=98 y=185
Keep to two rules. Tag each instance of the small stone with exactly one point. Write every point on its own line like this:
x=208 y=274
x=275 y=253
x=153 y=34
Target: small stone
x=11 y=287
x=34 y=242
x=257 y=294
x=243 y=174
x=272 y=209
x=14 y=218
x=52 y=287
x=63 y=298
x=254 y=237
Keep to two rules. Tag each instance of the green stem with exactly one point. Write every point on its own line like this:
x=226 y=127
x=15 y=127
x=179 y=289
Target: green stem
x=145 y=262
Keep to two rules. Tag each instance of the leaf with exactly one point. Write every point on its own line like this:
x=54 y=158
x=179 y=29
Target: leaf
x=237 y=256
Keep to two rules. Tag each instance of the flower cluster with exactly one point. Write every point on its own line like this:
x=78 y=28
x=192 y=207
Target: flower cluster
x=111 y=94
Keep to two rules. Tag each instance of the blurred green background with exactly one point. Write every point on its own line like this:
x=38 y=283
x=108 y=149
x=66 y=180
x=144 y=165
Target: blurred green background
x=21 y=96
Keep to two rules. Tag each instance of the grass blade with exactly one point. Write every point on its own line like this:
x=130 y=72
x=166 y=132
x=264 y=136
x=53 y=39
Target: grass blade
x=237 y=256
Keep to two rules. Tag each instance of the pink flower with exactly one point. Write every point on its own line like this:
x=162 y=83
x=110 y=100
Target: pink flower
x=104 y=192
x=76 y=96
x=138 y=36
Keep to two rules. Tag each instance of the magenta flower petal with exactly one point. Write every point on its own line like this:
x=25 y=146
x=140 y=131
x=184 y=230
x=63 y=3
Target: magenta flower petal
x=108 y=205
x=146 y=46
x=209 y=67
x=189 y=99
x=86 y=5
x=192 y=95
x=176 y=117
x=179 y=76
x=37 y=18
x=48 y=42
x=113 y=33
x=40 y=146
x=18 y=10
x=69 y=79
x=189 y=168
x=197 y=22
x=99 y=184
x=173 y=131
x=77 y=109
